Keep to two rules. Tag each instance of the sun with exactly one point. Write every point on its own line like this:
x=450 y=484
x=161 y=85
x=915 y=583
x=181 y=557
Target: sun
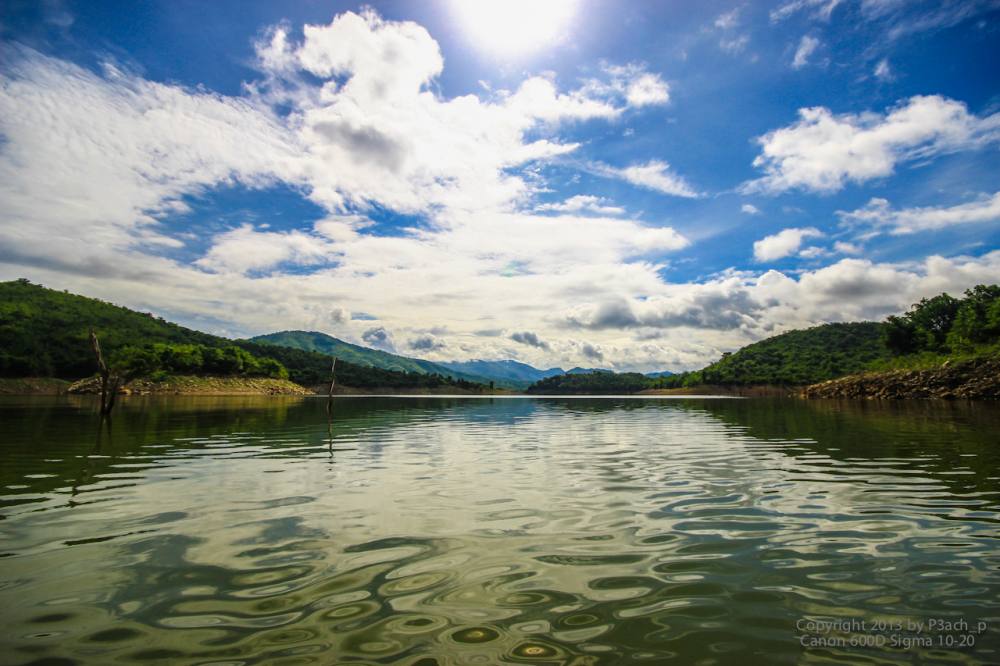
x=514 y=28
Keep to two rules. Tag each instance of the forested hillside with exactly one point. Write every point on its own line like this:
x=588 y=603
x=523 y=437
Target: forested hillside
x=795 y=358
x=45 y=333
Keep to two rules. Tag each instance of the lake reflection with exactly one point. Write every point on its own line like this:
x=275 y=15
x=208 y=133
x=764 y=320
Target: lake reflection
x=480 y=531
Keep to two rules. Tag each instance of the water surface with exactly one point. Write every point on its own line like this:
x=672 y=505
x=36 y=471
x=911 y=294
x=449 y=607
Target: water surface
x=459 y=531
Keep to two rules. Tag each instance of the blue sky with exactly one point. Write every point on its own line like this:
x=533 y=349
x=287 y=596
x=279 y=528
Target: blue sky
x=632 y=185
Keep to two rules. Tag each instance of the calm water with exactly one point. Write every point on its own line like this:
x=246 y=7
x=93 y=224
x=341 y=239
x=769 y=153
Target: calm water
x=449 y=531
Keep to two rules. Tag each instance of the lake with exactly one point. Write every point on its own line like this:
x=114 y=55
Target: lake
x=436 y=530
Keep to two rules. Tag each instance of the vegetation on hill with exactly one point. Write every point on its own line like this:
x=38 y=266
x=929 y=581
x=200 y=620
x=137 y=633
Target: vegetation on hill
x=161 y=360
x=44 y=333
x=794 y=358
x=311 y=368
x=944 y=328
x=513 y=372
x=593 y=382
x=361 y=356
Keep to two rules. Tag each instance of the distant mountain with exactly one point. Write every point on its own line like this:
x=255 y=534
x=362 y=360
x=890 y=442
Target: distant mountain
x=661 y=373
x=327 y=344
x=503 y=370
x=587 y=371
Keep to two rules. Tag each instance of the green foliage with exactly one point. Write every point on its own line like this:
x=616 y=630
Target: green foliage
x=593 y=382
x=978 y=319
x=924 y=328
x=160 y=360
x=947 y=325
x=45 y=333
x=794 y=358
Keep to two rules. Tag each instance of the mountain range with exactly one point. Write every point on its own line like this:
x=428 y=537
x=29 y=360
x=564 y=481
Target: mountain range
x=504 y=373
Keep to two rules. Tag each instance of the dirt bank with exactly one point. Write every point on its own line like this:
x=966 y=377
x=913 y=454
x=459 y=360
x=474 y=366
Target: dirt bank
x=33 y=386
x=188 y=385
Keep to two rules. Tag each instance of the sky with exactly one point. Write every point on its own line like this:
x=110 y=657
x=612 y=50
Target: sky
x=637 y=186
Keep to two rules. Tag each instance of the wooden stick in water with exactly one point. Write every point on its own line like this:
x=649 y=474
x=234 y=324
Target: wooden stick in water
x=333 y=380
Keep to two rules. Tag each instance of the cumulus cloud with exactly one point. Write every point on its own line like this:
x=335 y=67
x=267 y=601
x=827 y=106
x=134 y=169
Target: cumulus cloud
x=647 y=89
x=591 y=352
x=632 y=82
x=750 y=209
x=376 y=132
x=807 y=46
x=244 y=249
x=783 y=243
x=583 y=203
x=822 y=151
x=751 y=306
x=654 y=175
x=425 y=343
x=843 y=247
x=529 y=338
x=349 y=114
x=879 y=213
x=379 y=338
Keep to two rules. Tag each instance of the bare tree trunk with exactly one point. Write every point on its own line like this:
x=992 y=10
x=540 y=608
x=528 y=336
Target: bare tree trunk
x=107 y=398
x=333 y=380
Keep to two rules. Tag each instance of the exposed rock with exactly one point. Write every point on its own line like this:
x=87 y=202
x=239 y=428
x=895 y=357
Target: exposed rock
x=976 y=379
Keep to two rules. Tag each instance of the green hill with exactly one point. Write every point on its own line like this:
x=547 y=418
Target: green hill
x=327 y=344
x=797 y=357
x=44 y=333
x=595 y=382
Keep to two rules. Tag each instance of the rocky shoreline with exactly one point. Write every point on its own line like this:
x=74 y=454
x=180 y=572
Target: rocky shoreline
x=976 y=379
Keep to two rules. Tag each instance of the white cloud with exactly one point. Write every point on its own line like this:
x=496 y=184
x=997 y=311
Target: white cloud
x=807 y=46
x=734 y=45
x=647 y=89
x=653 y=175
x=844 y=247
x=883 y=71
x=823 y=151
x=878 y=213
x=783 y=243
x=728 y=20
x=362 y=122
x=814 y=252
x=583 y=203
x=824 y=9
x=91 y=163
x=375 y=132
x=243 y=249
x=749 y=209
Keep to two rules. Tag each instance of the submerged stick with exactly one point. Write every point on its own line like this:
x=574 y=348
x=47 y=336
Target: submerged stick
x=333 y=380
x=107 y=403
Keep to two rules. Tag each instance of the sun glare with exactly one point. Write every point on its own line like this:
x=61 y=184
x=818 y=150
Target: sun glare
x=512 y=28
